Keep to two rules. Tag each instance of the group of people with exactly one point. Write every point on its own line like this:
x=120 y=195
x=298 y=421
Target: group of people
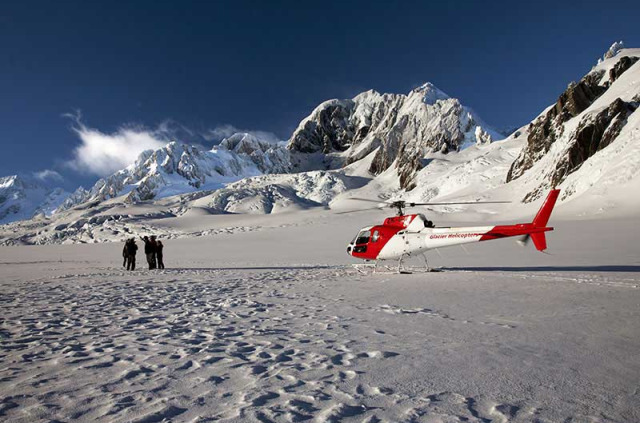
x=153 y=250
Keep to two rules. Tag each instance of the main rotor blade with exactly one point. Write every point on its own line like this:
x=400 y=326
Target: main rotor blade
x=368 y=200
x=409 y=204
x=359 y=210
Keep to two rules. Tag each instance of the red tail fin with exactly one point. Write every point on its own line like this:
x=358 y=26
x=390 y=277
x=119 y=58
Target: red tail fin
x=542 y=217
x=539 y=240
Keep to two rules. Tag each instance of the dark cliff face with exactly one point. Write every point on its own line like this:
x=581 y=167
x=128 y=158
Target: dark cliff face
x=545 y=130
x=330 y=131
x=594 y=132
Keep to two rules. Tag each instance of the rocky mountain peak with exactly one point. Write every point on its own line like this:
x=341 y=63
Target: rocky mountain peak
x=615 y=48
x=399 y=128
x=430 y=93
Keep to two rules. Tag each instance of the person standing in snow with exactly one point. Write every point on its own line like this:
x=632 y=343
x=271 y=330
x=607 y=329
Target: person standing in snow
x=159 y=248
x=149 y=251
x=154 y=248
x=125 y=253
x=132 y=249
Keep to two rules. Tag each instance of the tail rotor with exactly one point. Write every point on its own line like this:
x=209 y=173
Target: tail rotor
x=524 y=240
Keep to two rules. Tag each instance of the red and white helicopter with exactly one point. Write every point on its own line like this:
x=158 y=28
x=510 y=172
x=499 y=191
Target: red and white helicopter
x=406 y=235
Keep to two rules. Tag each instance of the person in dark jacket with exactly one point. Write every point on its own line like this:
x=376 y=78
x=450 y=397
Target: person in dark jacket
x=149 y=251
x=154 y=247
x=132 y=249
x=159 y=248
x=125 y=253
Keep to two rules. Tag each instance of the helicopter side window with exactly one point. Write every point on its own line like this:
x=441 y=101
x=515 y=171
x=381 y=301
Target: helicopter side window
x=375 y=236
x=363 y=237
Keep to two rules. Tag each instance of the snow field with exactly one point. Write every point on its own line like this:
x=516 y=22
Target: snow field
x=241 y=331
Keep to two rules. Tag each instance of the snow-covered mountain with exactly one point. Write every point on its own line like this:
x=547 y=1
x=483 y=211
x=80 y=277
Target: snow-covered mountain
x=179 y=168
x=400 y=128
x=596 y=120
x=23 y=197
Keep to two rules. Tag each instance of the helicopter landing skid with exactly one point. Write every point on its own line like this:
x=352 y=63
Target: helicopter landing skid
x=372 y=269
x=400 y=269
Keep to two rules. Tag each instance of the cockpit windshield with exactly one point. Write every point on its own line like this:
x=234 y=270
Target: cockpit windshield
x=363 y=237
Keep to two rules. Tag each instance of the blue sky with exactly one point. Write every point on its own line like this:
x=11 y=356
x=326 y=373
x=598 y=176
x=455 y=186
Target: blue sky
x=264 y=65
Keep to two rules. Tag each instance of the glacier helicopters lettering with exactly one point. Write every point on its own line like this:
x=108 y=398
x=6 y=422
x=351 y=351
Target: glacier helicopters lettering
x=403 y=235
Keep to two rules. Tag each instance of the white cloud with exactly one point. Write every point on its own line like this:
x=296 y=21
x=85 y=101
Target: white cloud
x=48 y=175
x=103 y=154
x=221 y=132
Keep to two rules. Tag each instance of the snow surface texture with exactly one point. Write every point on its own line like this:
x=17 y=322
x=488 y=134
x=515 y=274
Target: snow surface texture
x=274 y=193
x=239 y=330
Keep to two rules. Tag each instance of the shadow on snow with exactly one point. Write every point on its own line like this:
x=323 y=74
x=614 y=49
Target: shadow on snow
x=604 y=268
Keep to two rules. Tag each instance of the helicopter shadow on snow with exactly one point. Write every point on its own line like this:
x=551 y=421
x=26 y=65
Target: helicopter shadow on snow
x=601 y=268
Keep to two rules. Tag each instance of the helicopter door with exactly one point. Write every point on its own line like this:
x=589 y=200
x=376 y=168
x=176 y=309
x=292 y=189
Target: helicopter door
x=411 y=242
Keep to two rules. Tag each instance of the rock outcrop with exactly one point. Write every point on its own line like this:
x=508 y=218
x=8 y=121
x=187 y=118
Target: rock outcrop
x=546 y=129
x=621 y=67
x=595 y=132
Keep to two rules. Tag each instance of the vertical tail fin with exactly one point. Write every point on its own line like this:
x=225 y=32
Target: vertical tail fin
x=542 y=217
x=539 y=240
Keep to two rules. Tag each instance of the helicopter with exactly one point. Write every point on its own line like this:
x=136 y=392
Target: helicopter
x=402 y=236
